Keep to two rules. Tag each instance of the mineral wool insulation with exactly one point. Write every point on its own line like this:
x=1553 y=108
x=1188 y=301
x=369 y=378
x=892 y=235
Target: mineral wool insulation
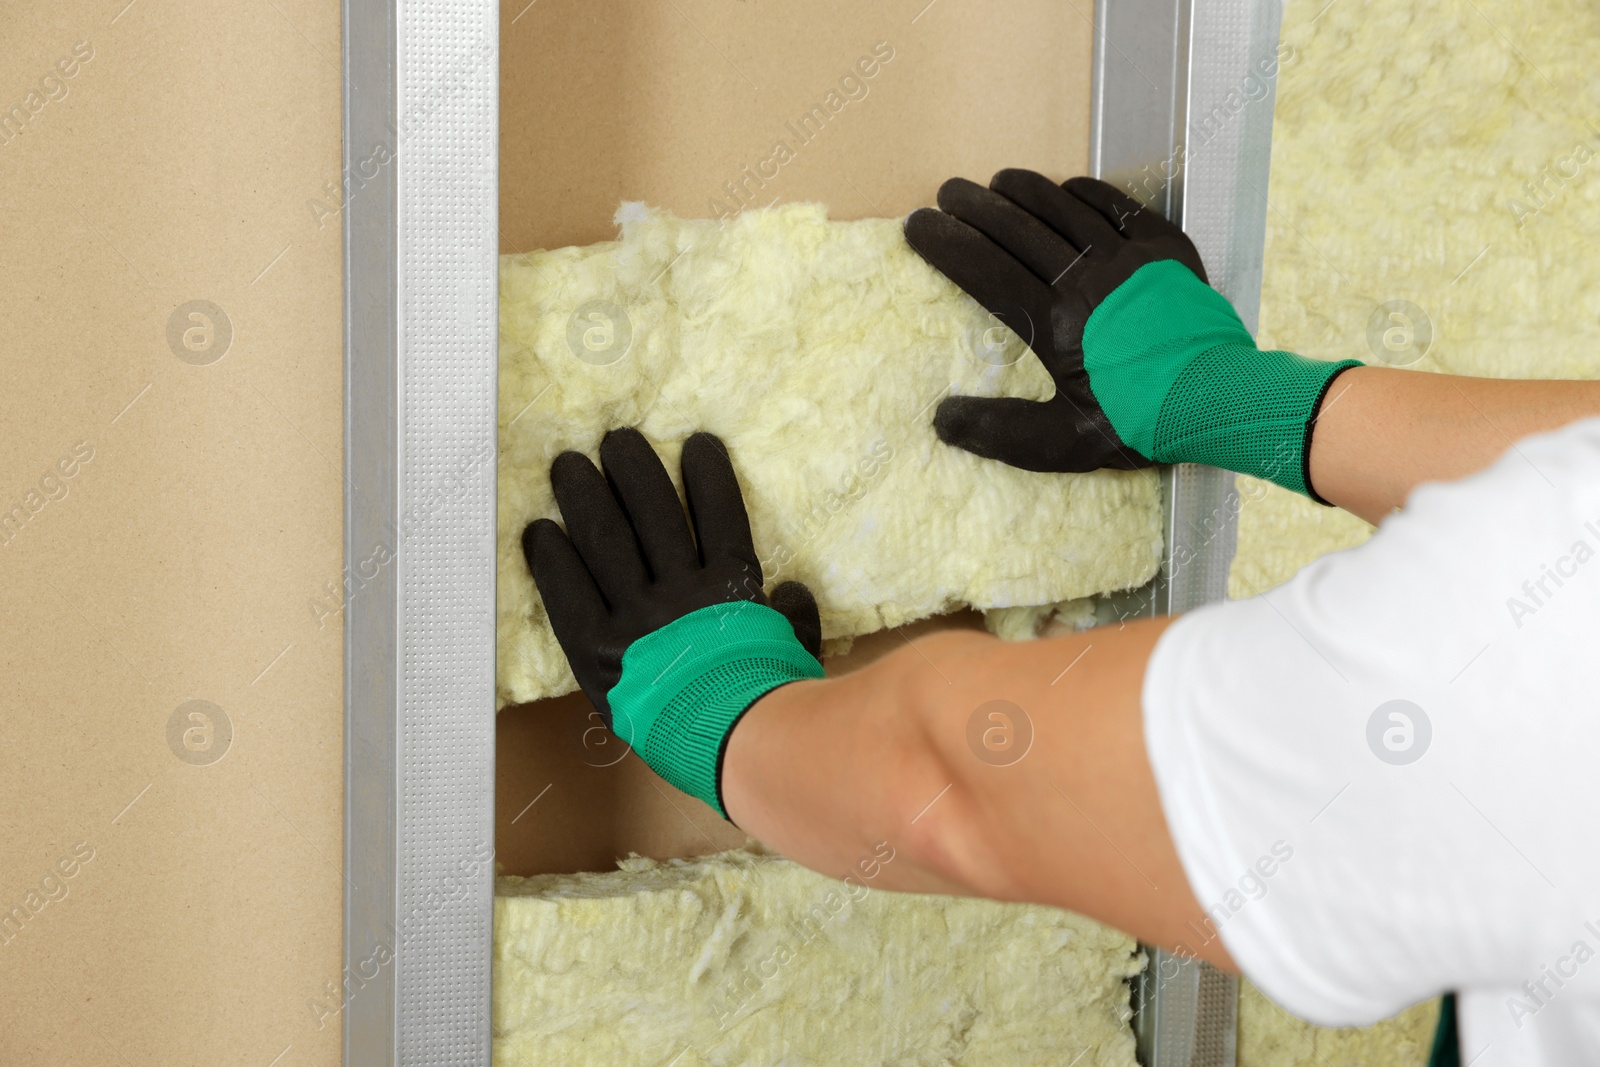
x=1444 y=153
x=1418 y=155
x=747 y=958
x=817 y=350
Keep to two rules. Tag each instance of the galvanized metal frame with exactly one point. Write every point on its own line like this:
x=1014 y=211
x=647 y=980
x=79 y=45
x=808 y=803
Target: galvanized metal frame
x=1182 y=117
x=421 y=108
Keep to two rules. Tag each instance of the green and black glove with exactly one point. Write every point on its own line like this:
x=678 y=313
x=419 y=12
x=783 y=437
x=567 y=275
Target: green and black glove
x=668 y=632
x=1151 y=364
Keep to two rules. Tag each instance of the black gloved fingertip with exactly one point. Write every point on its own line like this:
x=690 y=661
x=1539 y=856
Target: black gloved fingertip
x=921 y=226
x=621 y=435
x=1092 y=190
x=1007 y=175
x=624 y=448
x=953 y=420
x=956 y=191
x=702 y=441
x=531 y=534
x=796 y=603
x=565 y=466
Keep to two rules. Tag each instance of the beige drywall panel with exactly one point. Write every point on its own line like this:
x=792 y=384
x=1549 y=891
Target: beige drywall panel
x=610 y=100
x=170 y=529
x=702 y=107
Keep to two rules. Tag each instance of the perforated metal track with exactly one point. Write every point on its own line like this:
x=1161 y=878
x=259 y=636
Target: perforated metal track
x=1183 y=116
x=447 y=191
x=1228 y=131
x=421 y=158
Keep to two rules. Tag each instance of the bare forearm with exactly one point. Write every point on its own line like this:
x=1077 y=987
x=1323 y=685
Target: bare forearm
x=824 y=771
x=1381 y=431
x=829 y=772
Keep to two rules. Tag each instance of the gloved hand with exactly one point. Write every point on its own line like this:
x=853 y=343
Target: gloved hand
x=671 y=640
x=1150 y=363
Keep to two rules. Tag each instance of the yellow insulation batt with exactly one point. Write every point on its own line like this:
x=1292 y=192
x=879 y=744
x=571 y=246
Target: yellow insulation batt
x=1444 y=154
x=817 y=350
x=746 y=958
x=1271 y=1037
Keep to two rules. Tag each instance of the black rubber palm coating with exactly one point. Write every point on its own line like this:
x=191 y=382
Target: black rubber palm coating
x=630 y=561
x=1041 y=257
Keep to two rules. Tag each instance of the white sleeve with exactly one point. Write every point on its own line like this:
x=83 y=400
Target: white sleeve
x=1563 y=1031
x=1380 y=776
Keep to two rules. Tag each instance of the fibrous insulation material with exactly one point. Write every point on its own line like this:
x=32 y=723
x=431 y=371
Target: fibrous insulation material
x=746 y=958
x=817 y=350
x=1271 y=1037
x=1443 y=153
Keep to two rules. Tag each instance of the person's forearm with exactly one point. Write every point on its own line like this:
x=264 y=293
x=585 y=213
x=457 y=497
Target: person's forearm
x=824 y=771
x=1381 y=431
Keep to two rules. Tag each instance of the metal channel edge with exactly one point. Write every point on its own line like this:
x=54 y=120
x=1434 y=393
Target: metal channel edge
x=1182 y=104
x=420 y=207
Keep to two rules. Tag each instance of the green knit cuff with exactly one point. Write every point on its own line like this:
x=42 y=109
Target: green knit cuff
x=685 y=685
x=1247 y=410
x=1181 y=380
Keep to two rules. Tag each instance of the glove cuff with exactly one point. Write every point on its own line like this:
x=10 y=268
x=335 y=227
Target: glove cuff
x=1182 y=381
x=1246 y=410
x=685 y=685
